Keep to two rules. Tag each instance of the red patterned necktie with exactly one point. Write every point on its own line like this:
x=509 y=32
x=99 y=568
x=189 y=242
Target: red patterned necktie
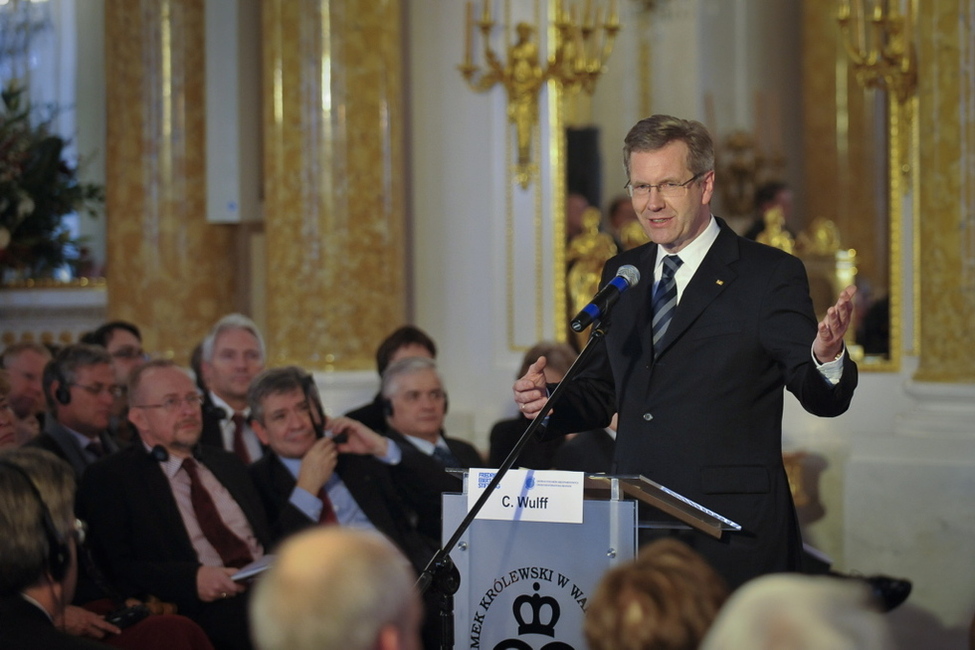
x=328 y=511
x=232 y=549
x=240 y=449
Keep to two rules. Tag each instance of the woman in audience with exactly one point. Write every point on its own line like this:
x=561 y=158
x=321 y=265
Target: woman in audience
x=665 y=599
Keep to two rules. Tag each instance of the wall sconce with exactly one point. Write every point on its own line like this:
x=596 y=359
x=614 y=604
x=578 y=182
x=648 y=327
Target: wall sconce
x=880 y=47
x=581 y=50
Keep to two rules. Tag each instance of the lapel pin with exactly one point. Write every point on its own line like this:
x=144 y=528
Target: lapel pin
x=720 y=283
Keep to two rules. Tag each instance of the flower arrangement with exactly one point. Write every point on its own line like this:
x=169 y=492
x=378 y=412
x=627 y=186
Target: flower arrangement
x=37 y=188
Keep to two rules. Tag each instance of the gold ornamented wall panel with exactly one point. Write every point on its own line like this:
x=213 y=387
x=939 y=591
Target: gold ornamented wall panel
x=946 y=219
x=169 y=271
x=334 y=179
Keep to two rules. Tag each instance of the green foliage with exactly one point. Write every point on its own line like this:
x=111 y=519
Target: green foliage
x=37 y=188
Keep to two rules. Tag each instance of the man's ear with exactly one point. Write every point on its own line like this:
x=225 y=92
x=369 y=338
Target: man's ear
x=260 y=431
x=137 y=417
x=389 y=638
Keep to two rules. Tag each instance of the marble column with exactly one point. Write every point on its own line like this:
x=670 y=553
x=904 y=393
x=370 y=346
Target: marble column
x=334 y=180
x=168 y=270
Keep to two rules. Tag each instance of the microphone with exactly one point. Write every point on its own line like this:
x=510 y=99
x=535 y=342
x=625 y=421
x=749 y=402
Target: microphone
x=627 y=276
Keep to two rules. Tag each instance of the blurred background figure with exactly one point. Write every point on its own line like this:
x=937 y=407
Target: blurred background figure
x=665 y=599
x=589 y=451
x=800 y=612
x=537 y=454
x=8 y=432
x=768 y=196
x=337 y=589
x=25 y=362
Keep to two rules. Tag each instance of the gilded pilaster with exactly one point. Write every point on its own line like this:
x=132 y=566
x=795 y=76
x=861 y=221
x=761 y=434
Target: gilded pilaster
x=168 y=269
x=334 y=186
x=946 y=86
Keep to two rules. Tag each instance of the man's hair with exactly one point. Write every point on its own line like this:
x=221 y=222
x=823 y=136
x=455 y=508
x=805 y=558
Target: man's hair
x=332 y=588
x=401 y=368
x=558 y=356
x=766 y=192
x=4 y=383
x=137 y=377
x=230 y=322
x=63 y=368
x=15 y=350
x=402 y=337
x=800 y=611
x=103 y=334
x=25 y=542
x=665 y=599
x=657 y=131
x=274 y=381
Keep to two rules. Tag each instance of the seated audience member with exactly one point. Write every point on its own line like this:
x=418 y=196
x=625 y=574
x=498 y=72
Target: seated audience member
x=81 y=390
x=415 y=406
x=38 y=550
x=25 y=362
x=124 y=343
x=665 y=599
x=537 y=453
x=589 y=451
x=800 y=612
x=191 y=514
x=8 y=430
x=337 y=589
x=232 y=354
x=406 y=341
x=307 y=478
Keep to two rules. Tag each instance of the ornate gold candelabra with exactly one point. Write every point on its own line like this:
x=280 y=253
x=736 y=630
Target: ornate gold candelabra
x=880 y=45
x=581 y=50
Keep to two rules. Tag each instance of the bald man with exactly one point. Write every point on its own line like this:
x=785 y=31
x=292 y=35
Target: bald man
x=337 y=588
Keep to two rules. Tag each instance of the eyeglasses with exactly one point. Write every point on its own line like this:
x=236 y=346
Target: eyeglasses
x=112 y=389
x=171 y=404
x=667 y=190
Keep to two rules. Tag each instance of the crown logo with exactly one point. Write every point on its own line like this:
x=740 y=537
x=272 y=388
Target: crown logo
x=537 y=603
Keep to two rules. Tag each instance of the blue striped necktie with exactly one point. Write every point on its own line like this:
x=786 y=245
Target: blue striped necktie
x=664 y=300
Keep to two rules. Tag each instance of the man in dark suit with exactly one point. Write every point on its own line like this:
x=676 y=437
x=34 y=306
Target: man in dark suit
x=172 y=518
x=698 y=377
x=81 y=390
x=38 y=551
x=308 y=478
x=415 y=406
x=231 y=355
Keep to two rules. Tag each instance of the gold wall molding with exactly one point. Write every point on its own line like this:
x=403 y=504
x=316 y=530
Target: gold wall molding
x=946 y=218
x=169 y=271
x=333 y=180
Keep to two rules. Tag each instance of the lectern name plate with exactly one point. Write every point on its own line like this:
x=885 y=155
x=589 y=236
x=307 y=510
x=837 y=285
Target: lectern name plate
x=529 y=495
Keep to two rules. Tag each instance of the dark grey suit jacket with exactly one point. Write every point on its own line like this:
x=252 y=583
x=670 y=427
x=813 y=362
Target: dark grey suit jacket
x=704 y=417
x=58 y=440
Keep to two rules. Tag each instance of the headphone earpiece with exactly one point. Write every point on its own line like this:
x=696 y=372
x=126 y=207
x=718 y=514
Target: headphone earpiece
x=63 y=393
x=58 y=553
x=388 y=408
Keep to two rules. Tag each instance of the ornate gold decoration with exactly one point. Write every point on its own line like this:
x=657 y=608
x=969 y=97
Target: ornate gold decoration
x=742 y=167
x=880 y=46
x=585 y=257
x=775 y=234
x=581 y=50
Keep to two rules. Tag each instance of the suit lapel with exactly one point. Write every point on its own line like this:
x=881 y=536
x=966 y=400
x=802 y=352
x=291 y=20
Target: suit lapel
x=158 y=491
x=712 y=277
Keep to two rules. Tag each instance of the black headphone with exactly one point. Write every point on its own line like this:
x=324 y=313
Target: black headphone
x=388 y=405
x=58 y=553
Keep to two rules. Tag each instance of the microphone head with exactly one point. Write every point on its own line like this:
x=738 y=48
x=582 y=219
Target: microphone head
x=630 y=274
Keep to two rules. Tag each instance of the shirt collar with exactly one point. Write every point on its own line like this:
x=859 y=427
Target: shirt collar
x=217 y=401
x=693 y=254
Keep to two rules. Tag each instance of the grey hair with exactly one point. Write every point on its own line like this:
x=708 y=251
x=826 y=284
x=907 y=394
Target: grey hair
x=401 y=368
x=63 y=368
x=230 y=322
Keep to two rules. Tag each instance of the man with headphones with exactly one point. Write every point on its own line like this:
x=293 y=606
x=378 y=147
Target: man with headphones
x=81 y=391
x=415 y=405
x=38 y=551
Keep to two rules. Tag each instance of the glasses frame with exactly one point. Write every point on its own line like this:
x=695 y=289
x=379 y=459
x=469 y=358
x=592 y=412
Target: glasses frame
x=172 y=405
x=115 y=390
x=671 y=188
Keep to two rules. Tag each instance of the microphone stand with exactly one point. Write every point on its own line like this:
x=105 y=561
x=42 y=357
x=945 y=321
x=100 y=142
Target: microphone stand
x=440 y=574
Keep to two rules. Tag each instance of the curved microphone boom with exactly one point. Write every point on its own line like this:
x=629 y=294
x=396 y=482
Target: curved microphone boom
x=627 y=276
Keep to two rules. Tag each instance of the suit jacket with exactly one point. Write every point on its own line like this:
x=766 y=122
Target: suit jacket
x=136 y=531
x=704 y=417
x=466 y=453
x=371 y=414
x=58 y=440
x=537 y=453
x=370 y=484
x=589 y=451
x=24 y=625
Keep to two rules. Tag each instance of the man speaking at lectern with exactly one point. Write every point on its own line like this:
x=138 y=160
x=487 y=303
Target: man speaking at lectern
x=696 y=356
